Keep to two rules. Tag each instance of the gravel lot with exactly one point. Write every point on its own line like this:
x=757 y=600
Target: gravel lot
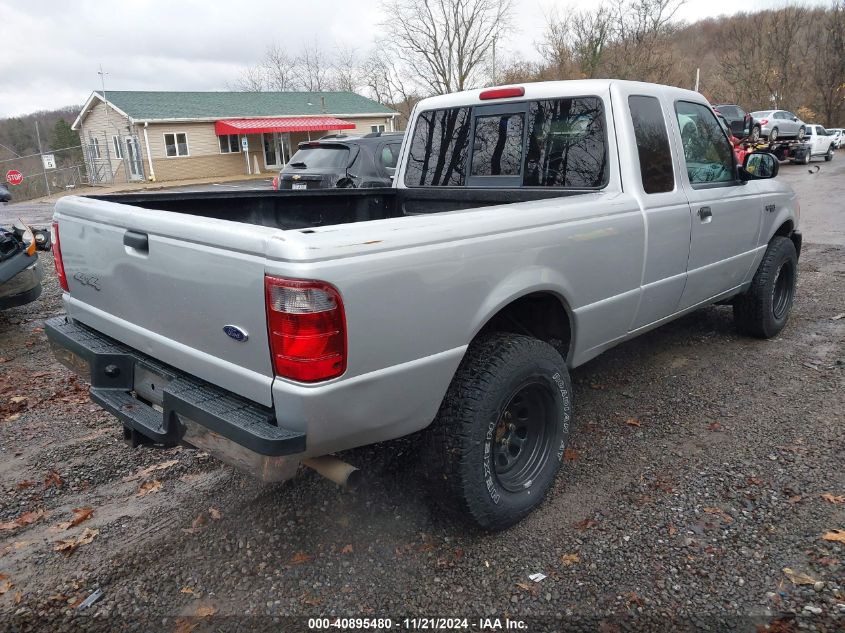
x=704 y=464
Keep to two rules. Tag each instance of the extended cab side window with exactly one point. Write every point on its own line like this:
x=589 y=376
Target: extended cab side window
x=439 y=148
x=707 y=151
x=656 y=171
x=567 y=144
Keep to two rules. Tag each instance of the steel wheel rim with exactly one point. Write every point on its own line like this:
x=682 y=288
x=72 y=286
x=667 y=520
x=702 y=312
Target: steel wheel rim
x=782 y=290
x=521 y=440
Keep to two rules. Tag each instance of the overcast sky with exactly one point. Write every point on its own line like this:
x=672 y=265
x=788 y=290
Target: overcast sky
x=51 y=51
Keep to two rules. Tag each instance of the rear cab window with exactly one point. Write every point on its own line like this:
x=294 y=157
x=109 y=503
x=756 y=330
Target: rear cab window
x=656 y=170
x=560 y=143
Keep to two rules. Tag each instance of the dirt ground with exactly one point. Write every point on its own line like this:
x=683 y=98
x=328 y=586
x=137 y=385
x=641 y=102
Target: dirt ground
x=705 y=490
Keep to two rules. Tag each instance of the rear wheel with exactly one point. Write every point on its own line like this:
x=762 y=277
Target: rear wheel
x=773 y=135
x=806 y=159
x=499 y=437
x=829 y=156
x=764 y=308
x=755 y=134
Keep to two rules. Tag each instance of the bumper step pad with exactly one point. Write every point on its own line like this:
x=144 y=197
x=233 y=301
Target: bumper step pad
x=112 y=366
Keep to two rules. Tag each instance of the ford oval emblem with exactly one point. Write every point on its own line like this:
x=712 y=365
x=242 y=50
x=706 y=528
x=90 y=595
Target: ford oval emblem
x=233 y=331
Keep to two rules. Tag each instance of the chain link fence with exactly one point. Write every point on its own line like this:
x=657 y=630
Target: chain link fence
x=101 y=160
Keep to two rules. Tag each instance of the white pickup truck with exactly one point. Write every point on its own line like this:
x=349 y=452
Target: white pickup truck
x=529 y=229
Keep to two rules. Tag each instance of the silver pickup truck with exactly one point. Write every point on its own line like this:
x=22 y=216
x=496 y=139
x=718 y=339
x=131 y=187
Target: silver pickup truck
x=529 y=229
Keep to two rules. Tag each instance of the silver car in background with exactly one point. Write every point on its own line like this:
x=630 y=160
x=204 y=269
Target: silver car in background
x=775 y=124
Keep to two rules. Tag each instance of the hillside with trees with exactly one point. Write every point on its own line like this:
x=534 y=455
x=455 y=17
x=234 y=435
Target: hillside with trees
x=18 y=137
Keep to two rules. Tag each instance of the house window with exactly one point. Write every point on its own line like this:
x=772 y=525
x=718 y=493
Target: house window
x=95 y=147
x=176 y=144
x=377 y=128
x=229 y=143
x=118 y=151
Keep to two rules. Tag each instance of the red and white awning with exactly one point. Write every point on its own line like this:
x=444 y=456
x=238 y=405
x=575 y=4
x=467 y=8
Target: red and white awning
x=287 y=124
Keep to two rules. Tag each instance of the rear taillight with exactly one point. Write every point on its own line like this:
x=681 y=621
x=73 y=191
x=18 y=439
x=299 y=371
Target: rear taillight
x=763 y=121
x=57 y=258
x=307 y=329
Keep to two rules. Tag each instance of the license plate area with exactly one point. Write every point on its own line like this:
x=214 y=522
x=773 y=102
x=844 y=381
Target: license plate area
x=150 y=384
x=299 y=185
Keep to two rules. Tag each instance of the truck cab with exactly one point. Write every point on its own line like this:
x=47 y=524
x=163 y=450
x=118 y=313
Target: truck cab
x=820 y=143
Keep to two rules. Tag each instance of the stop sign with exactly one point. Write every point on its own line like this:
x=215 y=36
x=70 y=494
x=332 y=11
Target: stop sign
x=14 y=177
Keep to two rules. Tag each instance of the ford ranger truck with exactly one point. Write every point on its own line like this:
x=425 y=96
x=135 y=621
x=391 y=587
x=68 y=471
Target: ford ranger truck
x=529 y=228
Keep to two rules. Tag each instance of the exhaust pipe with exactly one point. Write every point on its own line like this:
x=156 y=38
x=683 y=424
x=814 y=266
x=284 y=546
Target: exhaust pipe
x=343 y=474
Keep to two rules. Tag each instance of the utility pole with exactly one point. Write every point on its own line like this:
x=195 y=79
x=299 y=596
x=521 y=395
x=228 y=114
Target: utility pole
x=102 y=75
x=41 y=156
x=697 y=77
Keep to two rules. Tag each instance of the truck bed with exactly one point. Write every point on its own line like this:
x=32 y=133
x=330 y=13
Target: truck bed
x=308 y=209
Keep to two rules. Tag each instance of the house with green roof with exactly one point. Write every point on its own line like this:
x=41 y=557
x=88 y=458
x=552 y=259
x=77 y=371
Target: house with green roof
x=160 y=136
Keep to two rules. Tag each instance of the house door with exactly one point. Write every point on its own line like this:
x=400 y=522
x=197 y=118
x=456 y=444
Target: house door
x=133 y=159
x=276 y=149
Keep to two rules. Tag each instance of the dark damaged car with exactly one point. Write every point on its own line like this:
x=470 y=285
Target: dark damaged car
x=342 y=163
x=20 y=270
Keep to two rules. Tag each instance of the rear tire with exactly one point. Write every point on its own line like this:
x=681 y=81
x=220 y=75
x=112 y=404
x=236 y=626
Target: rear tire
x=806 y=159
x=755 y=134
x=829 y=156
x=498 y=440
x=764 y=308
x=773 y=135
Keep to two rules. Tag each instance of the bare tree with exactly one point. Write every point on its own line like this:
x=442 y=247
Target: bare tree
x=446 y=43
x=827 y=62
x=346 y=69
x=312 y=68
x=388 y=84
x=278 y=69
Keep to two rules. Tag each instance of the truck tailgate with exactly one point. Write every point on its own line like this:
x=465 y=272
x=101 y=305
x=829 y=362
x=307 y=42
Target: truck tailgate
x=172 y=299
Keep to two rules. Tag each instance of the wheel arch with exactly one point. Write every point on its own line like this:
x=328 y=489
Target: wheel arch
x=541 y=312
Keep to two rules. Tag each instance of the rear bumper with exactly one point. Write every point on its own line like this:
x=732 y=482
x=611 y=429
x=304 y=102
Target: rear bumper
x=176 y=406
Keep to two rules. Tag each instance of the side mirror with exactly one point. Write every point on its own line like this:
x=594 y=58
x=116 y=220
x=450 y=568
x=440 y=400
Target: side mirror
x=795 y=118
x=759 y=166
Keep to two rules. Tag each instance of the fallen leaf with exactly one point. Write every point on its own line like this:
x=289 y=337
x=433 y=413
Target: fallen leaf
x=837 y=536
x=79 y=515
x=53 y=479
x=18 y=399
x=830 y=498
x=5 y=586
x=148 y=487
x=25 y=519
x=18 y=597
x=69 y=545
x=727 y=518
x=196 y=524
x=299 y=558
x=633 y=422
x=570 y=455
x=187 y=590
x=27 y=483
x=311 y=602
x=346 y=549
x=841 y=315
x=183 y=625
x=570 y=559
x=215 y=514
x=754 y=481
x=524 y=586
x=795 y=498
x=21 y=544
x=205 y=610
x=586 y=524
x=150 y=469
x=672 y=529
x=12 y=418
x=715 y=426
x=798 y=578
x=633 y=598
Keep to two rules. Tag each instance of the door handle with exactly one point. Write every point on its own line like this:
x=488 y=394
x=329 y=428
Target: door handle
x=137 y=240
x=705 y=215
